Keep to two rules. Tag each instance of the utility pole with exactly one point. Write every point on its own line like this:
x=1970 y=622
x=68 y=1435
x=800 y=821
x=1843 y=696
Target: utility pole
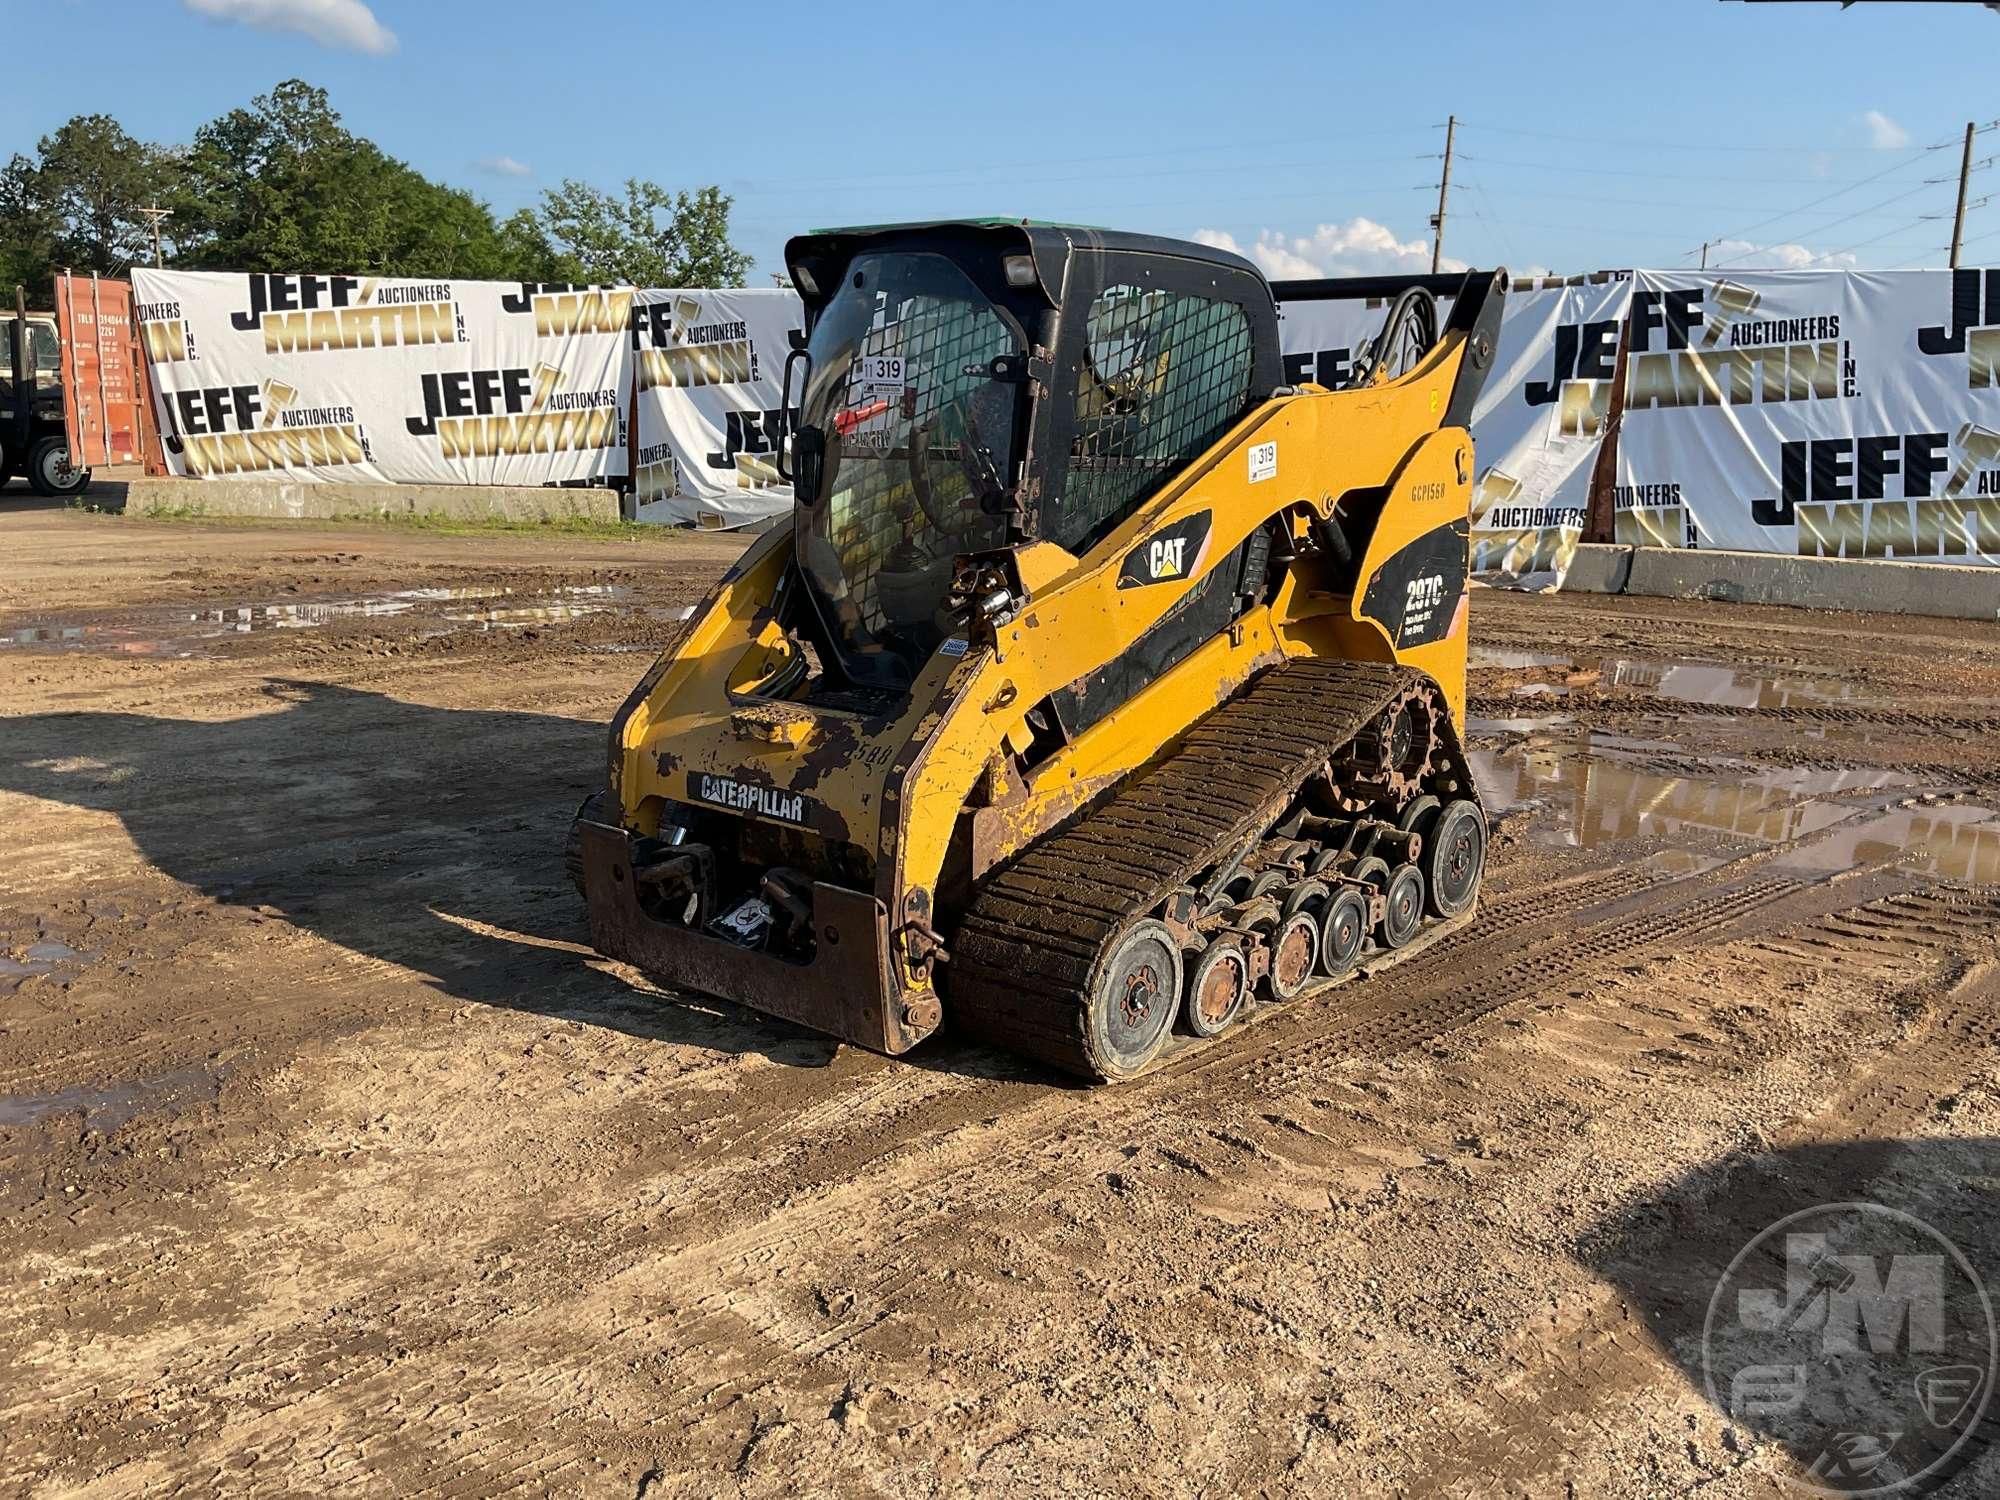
x=1704 y=254
x=1964 y=175
x=1444 y=191
x=154 y=216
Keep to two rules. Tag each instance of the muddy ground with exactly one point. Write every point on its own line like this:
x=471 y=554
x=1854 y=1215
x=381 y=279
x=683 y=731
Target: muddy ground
x=330 y=1155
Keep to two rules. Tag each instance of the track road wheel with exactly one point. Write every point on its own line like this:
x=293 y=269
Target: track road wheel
x=1264 y=883
x=1294 y=951
x=1133 y=1001
x=1374 y=870
x=1416 y=817
x=1343 y=928
x=1217 y=988
x=1402 y=908
x=50 y=471
x=1307 y=896
x=1455 y=857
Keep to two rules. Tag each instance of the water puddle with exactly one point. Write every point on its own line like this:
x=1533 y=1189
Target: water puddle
x=1592 y=790
x=1681 y=863
x=106 y=1108
x=125 y=640
x=1954 y=841
x=1500 y=659
x=1477 y=724
x=1597 y=800
x=517 y=616
x=185 y=632
x=1729 y=687
x=1679 y=681
x=39 y=959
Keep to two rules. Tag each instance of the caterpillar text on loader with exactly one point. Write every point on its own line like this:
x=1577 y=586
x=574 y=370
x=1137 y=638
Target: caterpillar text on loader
x=1101 y=688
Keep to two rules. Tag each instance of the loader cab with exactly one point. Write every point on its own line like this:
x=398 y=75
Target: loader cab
x=967 y=386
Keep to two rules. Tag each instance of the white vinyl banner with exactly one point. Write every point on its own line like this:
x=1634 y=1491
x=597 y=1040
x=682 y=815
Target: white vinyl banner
x=351 y=378
x=1538 y=424
x=709 y=366
x=1818 y=413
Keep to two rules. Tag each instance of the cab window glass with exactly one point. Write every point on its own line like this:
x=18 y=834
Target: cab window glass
x=1164 y=374
x=46 y=351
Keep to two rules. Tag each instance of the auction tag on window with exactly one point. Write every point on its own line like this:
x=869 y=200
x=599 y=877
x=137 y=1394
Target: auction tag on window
x=1263 y=462
x=881 y=373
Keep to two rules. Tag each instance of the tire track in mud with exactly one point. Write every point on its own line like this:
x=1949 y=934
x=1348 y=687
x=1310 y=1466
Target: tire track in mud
x=751 y=1225
x=927 y=1165
x=1602 y=1353
x=929 y=1185
x=864 y=1180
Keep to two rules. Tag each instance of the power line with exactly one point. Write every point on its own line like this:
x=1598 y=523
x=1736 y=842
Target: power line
x=1595 y=140
x=1568 y=169
x=1600 y=198
x=1864 y=244
x=764 y=185
x=1859 y=213
x=1823 y=198
x=1673 y=238
x=985 y=179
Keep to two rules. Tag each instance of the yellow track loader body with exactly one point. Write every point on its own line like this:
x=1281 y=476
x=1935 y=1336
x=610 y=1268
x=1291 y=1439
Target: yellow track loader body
x=1066 y=562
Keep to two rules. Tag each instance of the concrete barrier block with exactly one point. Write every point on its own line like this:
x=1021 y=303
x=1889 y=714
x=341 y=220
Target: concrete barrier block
x=290 y=499
x=1598 y=568
x=1941 y=590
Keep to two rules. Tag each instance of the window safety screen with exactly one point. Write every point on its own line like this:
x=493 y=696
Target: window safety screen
x=1164 y=374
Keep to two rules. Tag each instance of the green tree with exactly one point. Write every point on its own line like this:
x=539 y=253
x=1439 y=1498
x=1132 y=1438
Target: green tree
x=646 y=237
x=282 y=185
x=525 y=245
x=76 y=202
x=27 y=233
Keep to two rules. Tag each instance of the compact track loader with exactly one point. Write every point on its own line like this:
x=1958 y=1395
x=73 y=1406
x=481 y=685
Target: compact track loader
x=1102 y=690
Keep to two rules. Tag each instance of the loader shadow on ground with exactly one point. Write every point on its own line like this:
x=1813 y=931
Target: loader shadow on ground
x=1669 y=1255
x=427 y=837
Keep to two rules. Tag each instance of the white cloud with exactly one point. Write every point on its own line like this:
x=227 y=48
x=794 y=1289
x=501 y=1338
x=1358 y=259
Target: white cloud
x=504 y=166
x=1745 y=256
x=1884 y=134
x=1360 y=247
x=348 y=24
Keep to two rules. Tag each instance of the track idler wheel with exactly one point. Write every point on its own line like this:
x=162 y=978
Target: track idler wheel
x=1402 y=908
x=1218 y=987
x=1133 y=1001
x=1455 y=857
x=1343 y=928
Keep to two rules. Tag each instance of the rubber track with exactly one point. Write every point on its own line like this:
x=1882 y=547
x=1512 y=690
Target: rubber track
x=1024 y=956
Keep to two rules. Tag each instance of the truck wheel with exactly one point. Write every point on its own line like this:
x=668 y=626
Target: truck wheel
x=6 y=465
x=51 y=473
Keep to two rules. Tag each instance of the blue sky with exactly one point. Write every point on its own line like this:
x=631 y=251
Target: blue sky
x=1613 y=133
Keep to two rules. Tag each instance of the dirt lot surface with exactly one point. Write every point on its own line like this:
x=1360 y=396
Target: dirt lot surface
x=331 y=1156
